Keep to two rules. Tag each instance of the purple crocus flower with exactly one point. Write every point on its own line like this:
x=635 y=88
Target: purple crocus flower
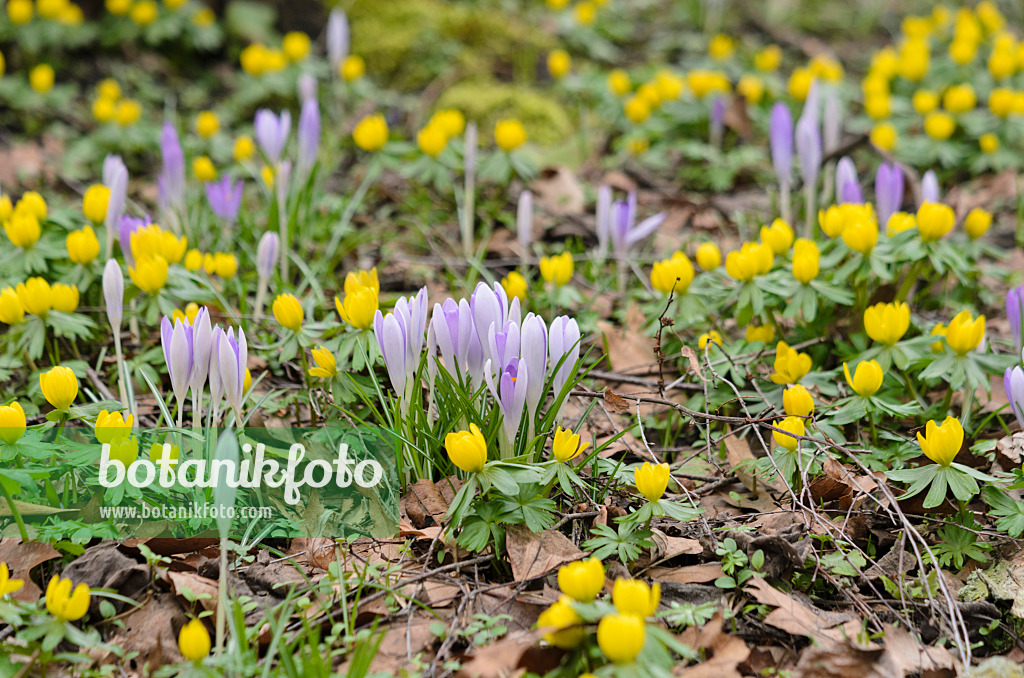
x=232 y=357
x=847 y=186
x=306 y=87
x=171 y=182
x=309 y=134
x=216 y=383
x=337 y=38
x=225 y=197
x=400 y=338
x=808 y=147
x=510 y=394
x=781 y=141
x=272 y=132
x=929 y=187
x=1014 y=312
x=563 y=342
x=833 y=122
x=490 y=306
x=888 y=191
x=113 y=294
x=502 y=344
x=1013 y=384
x=115 y=177
x=451 y=328
x=178 y=356
x=534 y=354
x=603 y=221
x=266 y=254
x=625 y=232
x=716 y=123
x=202 y=338
x=524 y=223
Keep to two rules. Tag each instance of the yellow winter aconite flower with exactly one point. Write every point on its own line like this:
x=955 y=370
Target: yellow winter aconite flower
x=585 y=12
x=703 y=82
x=581 y=580
x=94 y=203
x=509 y=134
x=566 y=622
x=557 y=269
x=244 y=148
x=965 y=333
x=860 y=235
x=361 y=299
x=288 y=312
x=203 y=169
x=806 y=260
x=939 y=126
x=621 y=637
x=352 y=68
x=41 y=78
x=778 y=236
x=144 y=12
x=125 y=449
x=8 y=585
x=619 y=83
x=752 y=88
x=797 y=401
x=467 y=449
x=559 y=63
x=866 y=379
x=194 y=641
x=977 y=222
x=651 y=480
x=111 y=426
x=826 y=68
x=12 y=427
x=432 y=140
x=566 y=445
x=325 y=365
x=709 y=257
x=204 y=18
x=118 y=7
x=1000 y=102
x=83 y=246
x=636 y=109
x=59 y=386
x=225 y=265
x=632 y=596
x=721 y=47
x=207 y=124
x=22 y=228
x=790 y=365
x=149 y=274
x=750 y=260
x=793 y=425
x=371 y=133
x=19 y=11
x=942 y=442
x=128 y=112
x=267 y=174
x=934 y=220
x=65 y=604
x=672 y=275
x=914 y=59
x=11 y=310
x=899 y=222
x=64 y=298
x=764 y=333
x=925 y=101
x=104 y=109
x=938 y=331
x=36 y=296
x=295 y=46
x=712 y=337
x=884 y=136
x=988 y=143
x=32 y=203
x=768 y=59
x=887 y=323
x=515 y=285
x=878 y=106
x=959 y=98
x=799 y=84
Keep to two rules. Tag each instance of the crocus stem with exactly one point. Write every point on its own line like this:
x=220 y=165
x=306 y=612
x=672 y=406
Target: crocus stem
x=222 y=594
x=282 y=232
x=468 y=209
x=809 y=211
x=785 y=202
x=261 y=293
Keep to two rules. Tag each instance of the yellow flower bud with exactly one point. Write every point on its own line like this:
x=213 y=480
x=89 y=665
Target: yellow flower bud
x=194 y=641
x=651 y=480
x=752 y=89
x=800 y=83
x=793 y=425
x=942 y=442
x=672 y=275
x=965 y=333
x=225 y=265
x=125 y=449
x=19 y=11
x=128 y=112
x=59 y=386
x=768 y=59
x=12 y=427
x=1000 y=102
x=925 y=101
x=797 y=401
x=94 y=203
x=763 y=333
x=509 y=134
x=806 y=259
x=207 y=124
x=567 y=445
x=977 y=222
x=750 y=260
x=778 y=236
x=288 y=312
x=295 y=46
x=326 y=367
x=32 y=203
x=41 y=78
x=467 y=449
x=432 y=140
x=899 y=222
x=515 y=285
x=371 y=133
x=636 y=109
x=559 y=63
x=244 y=148
x=83 y=246
x=632 y=596
x=203 y=169
x=149 y=274
x=452 y=122
x=709 y=257
x=585 y=12
x=581 y=580
x=352 y=68
x=860 y=234
x=988 y=143
x=866 y=379
x=790 y=365
x=22 y=228
x=111 y=426
x=557 y=269
x=621 y=637
x=567 y=624
x=934 y=220
x=884 y=136
x=64 y=298
x=361 y=299
x=144 y=12
x=619 y=83
x=887 y=323
x=721 y=47
x=712 y=337
x=939 y=126
x=35 y=296
x=64 y=604
x=11 y=310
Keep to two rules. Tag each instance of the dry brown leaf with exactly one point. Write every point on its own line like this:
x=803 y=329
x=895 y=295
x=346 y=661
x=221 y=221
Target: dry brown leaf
x=151 y=631
x=689 y=574
x=844 y=660
x=694 y=361
x=800 y=619
x=739 y=456
x=723 y=652
x=910 y=656
x=201 y=588
x=615 y=402
x=669 y=547
x=21 y=559
x=424 y=503
x=513 y=654
x=534 y=554
x=627 y=348
x=558 y=191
